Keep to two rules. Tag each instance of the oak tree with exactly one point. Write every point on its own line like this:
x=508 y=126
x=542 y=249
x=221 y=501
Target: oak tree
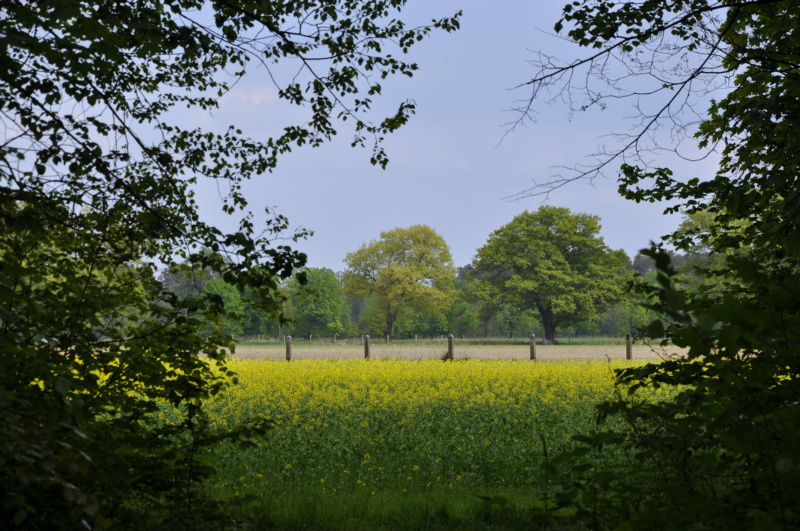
x=554 y=262
x=404 y=267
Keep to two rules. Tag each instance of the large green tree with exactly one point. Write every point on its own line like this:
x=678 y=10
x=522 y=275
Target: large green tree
x=404 y=267
x=97 y=176
x=554 y=262
x=724 y=452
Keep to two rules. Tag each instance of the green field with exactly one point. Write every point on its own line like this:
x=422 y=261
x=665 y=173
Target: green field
x=403 y=444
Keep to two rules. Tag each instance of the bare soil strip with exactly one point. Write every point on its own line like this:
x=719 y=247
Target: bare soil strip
x=481 y=352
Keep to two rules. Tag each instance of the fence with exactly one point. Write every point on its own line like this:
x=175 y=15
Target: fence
x=450 y=353
x=568 y=339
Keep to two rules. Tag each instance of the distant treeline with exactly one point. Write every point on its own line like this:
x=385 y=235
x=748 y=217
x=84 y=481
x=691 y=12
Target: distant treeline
x=322 y=310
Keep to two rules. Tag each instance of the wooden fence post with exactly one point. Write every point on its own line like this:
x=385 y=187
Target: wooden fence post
x=450 y=347
x=366 y=347
x=533 y=347
x=288 y=348
x=628 y=347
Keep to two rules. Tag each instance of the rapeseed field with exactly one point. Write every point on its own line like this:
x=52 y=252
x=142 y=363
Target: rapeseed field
x=356 y=428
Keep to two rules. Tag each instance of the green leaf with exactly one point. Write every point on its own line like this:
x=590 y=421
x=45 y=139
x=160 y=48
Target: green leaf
x=62 y=386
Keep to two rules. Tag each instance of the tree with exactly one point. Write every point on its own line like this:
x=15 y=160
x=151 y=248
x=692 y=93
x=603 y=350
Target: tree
x=697 y=235
x=626 y=317
x=405 y=267
x=232 y=321
x=318 y=304
x=371 y=317
x=243 y=308
x=551 y=261
x=96 y=194
x=463 y=314
x=644 y=264
x=723 y=452
x=336 y=328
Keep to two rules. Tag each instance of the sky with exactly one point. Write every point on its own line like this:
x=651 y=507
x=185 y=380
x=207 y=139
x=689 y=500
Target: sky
x=452 y=166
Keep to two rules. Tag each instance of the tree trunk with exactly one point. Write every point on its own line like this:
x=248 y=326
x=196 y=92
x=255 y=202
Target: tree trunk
x=391 y=317
x=389 y=326
x=549 y=325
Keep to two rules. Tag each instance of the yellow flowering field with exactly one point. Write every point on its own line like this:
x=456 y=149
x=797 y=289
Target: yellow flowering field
x=349 y=426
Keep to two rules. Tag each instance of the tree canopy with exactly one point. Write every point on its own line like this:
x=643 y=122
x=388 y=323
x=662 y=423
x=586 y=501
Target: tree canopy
x=318 y=308
x=723 y=451
x=554 y=262
x=97 y=179
x=404 y=267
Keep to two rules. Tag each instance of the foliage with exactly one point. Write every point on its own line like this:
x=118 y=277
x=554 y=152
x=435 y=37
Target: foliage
x=231 y=322
x=186 y=281
x=336 y=328
x=406 y=267
x=96 y=193
x=257 y=322
x=318 y=304
x=724 y=452
x=468 y=316
x=463 y=319
x=90 y=347
x=702 y=266
x=474 y=315
x=625 y=318
x=246 y=315
x=551 y=261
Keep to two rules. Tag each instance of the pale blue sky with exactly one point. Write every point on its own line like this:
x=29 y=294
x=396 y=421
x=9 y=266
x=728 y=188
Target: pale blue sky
x=448 y=167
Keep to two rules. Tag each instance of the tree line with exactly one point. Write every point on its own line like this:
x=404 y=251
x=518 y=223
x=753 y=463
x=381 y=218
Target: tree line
x=547 y=272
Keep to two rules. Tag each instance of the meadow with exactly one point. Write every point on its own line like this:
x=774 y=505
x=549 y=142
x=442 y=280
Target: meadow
x=403 y=444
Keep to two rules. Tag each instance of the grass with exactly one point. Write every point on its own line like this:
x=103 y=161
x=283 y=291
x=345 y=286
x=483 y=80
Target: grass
x=396 y=511
x=403 y=444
